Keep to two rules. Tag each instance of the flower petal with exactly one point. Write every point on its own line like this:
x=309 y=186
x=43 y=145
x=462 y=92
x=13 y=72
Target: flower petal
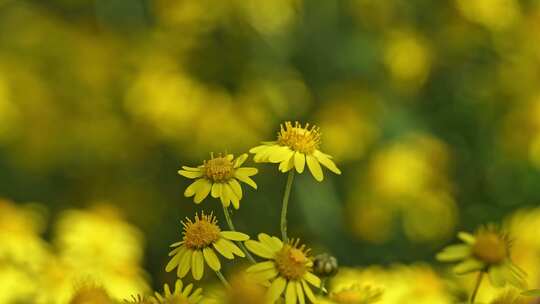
x=299 y=162
x=454 y=253
x=222 y=248
x=280 y=153
x=287 y=164
x=497 y=275
x=194 y=187
x=300 y=293
x=312 y=279
x=185 y=264
x=261 y=266
x=272 y=243
x=190 y=174
x=235 y=186
x=276 y=289
x=197 y=265
x=233 y=248
x=235 y=236
x=246 y=180
x=467 y=237
x=246 y=171
x=191 y=168
x=259 y=249
x=211 y=259
x=467 y=266
x=216 y=190
x=203 y=191
x=240 y=160
x=327 y=162
x=309 y=292
x=290 y=293
x=315 y=168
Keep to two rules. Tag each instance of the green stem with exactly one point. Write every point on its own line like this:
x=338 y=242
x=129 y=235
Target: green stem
x=286 y=196
x=228 y=218
x=323 y=285
x=477 y=286
x=223 y=279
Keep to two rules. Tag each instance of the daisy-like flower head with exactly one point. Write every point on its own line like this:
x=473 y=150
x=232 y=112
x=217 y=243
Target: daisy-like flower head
x=488 y=250
x=296 y=146
x=355 y=294
x=180 y=295
x=201 y=239
x=288 y=269
x=87 y=294
x=219 y=177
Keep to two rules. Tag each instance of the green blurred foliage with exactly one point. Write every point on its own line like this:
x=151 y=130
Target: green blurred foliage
x=431 y=109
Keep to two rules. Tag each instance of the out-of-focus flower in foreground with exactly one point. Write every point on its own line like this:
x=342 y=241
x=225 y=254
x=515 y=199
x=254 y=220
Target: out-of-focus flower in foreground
x=180 y=294
x=354 y=294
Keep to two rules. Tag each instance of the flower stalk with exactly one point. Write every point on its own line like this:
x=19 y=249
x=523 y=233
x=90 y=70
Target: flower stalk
x=228 y=218
x=477 y=286
x=285 y=205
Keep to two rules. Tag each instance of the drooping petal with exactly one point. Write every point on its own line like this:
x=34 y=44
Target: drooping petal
x=222 y=248
x=190 y=174
x=246 y=171
x=194 y=187
x=246 y=180
x=211 y=259
x=280 y=153
x=261 y=266
x=299 y=162
x=315 y=168
x=454 y=253
x=312 y=279
x=203 y=191
x=327 y=162
x=300 y=292
x=197 y=265
x=235 y=186
x=216 y=190
x=287 y=164
x=276 y=289
x=497 y=275
x=235 y=236
x=265 y=275
x=309 y=292
x=191 y=168
x=290 y=293
x=185 y=264
x=468 y=265
x=175 y=260
x=233 y=248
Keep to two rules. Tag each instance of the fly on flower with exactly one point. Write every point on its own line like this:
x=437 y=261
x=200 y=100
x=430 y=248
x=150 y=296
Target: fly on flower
x=488 y=250
x=295 y=147
x=289 y=269
x=219 y=177
x=202 y=238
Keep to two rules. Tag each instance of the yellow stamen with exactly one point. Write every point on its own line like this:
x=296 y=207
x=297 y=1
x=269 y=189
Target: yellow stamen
x=202 y=232
x=292 y=262
x=298 y=138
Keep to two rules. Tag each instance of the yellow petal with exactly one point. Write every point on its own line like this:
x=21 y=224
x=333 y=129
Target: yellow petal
x=211 y=259
x=261 y=266
x=222 y=248
x=272 y=243
x=203 y=191
x=265 y=275
x=312 y=279
x=226 y=195
x=300 y=292
x=314 y=167
x=216 y=190
x=308 y=292
x=229 y=157
x=276 y=289
x=233 y=248
x=327 y=162
x=174 y=262
x=193 y=188
x=188 y=289
x=240 y=160
x=235 y=186
x=259 y=249
x=246 y=171
x=280 y=153
x=299 y=162
x=235 y=236
x=257 y=149
x=287 y=164
x=190 y=174
x=191 y=168
x=185 y=264
x=197 y=265
x=290 y=294
x=246 y=180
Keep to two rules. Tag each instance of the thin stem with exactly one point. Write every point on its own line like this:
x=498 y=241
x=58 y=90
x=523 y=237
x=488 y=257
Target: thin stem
x=477 y=286
x=223 y=279
x=323 y=285
x=286 y=196
x=228 y=218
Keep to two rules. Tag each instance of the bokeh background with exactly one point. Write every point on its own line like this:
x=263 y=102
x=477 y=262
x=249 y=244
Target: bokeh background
x=430 y=108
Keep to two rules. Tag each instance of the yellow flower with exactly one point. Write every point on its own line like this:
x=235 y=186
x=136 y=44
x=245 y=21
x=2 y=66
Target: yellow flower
x=180 y=295
x=354 y=294
x=488 y=251
x=200 y=238
x=138 y=299
x=288 y=269
x=90 y=295
x=296 y=146
x=244 y=290
x=219 y=177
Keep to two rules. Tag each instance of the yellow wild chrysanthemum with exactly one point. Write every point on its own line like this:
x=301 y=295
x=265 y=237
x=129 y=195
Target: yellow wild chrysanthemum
x=296 y=146
x=488 y=250
x=201 y=238
x=288 y=269
x=354 y=294
x=219 y=177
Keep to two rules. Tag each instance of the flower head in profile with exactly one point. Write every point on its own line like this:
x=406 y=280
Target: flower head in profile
x=201 y=239
x=354 y=294
x=219 y=177
x=488 y=250
x=288 y=268
x=296 y=146
x=180 y=294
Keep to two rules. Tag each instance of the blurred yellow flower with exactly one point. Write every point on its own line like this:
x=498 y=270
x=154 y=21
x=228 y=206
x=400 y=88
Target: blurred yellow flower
x=494 y=14
x=219 y=177
x=354 y=294
x=201 y=238
x=243 y=290
x=180 y=294
x=288 y=268
x=296 y=146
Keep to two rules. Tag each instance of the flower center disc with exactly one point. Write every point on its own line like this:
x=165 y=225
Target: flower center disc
x=218 y=169
x=176 y=299
x=490 y=248
x=202 y=233
x=298 y=138
x=291 y=262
